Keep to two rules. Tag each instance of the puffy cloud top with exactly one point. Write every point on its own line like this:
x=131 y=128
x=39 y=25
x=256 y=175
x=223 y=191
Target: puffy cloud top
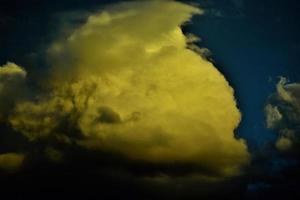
x=283 y=114
x=127 y=82
x=11 y=83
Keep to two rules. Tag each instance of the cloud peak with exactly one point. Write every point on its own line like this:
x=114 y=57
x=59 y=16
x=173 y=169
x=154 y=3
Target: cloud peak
x=126 y=82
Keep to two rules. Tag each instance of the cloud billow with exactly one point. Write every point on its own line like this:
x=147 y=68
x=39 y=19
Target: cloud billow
x=127 y=82
x=283 y=115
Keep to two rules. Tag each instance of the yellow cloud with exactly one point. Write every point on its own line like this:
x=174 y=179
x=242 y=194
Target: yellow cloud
x=53 y=154
x=12 y=79
x=128 y=82
x=273 y=116
x=283 y=115
x=10 y=162
x=10 y=70
x=283 y=144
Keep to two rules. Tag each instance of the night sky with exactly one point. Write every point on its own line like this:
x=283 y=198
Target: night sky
x=253 y=43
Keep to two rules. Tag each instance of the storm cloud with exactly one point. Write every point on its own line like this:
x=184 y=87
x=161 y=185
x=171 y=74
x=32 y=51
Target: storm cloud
x=127 y=82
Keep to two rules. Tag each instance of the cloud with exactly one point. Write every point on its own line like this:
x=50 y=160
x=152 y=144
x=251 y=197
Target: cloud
x=12 y=79
x=10 y=162
x=273 y=116
x=126 y=82
x=283 y=144
x=283 y=115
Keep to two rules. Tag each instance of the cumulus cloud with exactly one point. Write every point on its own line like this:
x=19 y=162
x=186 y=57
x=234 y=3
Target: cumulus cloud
x=12 y=79
x=10 y=162
x=273 y=116
x=127 y=82
x=283 y=144
x=283 y=115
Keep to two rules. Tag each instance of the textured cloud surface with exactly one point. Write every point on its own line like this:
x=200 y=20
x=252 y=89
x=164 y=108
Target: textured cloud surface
x=12 y=79
x=283 y=115
x=126 y=82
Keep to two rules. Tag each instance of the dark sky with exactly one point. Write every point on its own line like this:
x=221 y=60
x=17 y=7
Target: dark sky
x=253 y=42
